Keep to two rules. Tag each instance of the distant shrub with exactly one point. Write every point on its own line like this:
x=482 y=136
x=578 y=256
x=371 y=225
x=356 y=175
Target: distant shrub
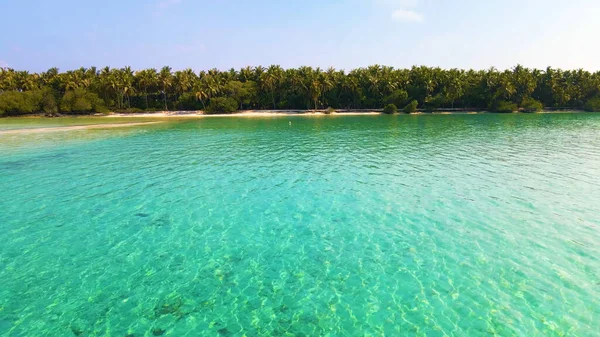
x=329 y=111
x=593 y=105
x=531 y=105
x=390 y=109
x=435 y=102
x=222 y=105
x=188 y=101
x=81 y=101
x=16 y=102
x=504 y=106
x=102 y=109
x=48 y=103
x=13 y=102
x=411 y=107
x=81 y=104
x=133 y=110
x=282 y=105
x=398 y=98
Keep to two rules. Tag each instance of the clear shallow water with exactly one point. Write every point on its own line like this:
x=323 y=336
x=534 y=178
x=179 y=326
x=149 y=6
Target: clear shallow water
x=485 y=225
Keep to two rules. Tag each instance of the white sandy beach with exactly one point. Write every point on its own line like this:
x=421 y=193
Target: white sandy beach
x=245 y=113
x=286 y=113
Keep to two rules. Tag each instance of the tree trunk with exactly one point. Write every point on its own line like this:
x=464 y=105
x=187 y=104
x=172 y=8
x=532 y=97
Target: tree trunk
x=165 y=97
x=273 y=98
x=146 y=96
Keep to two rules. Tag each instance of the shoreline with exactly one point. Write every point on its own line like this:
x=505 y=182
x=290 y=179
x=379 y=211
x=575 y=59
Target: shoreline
x=286 y=113
x=243 y=113
x=279 y=113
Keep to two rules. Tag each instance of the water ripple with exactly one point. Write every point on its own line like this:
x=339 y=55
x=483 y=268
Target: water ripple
x=332 y=226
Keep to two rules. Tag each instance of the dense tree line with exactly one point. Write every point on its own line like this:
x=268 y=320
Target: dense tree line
x=92 y=90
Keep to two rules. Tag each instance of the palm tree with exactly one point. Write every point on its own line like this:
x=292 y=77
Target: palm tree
x=453 y=88
x=104 y=82
x=166 y=80
x=127 y=80
x=115 y=81
x=271 y=79
x=246 y=74
x=524 y=82
x=8 y=80
x=201 y=94
x=184 y=80
x=49 y=78
x=147 y=78
x=313 y=88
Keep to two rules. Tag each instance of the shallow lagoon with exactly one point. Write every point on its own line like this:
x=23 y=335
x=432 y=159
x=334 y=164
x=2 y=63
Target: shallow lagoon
x=465 y=225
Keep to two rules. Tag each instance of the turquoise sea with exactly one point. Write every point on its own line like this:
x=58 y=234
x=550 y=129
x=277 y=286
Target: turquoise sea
x=459 y=225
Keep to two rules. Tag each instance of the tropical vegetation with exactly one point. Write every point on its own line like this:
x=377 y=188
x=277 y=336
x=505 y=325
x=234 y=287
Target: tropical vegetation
x=411 y=107
x=88 y=90
x=390 y=109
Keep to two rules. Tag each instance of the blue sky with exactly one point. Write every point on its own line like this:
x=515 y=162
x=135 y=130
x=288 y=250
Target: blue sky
x=203 y=34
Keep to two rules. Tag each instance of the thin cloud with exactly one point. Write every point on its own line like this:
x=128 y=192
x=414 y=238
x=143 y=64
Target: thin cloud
x=405 y=15
x=3 y=64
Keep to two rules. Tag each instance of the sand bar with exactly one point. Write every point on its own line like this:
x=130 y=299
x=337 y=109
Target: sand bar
x=74 y=127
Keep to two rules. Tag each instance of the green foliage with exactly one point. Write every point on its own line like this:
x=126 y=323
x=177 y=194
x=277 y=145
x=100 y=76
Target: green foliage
x=398 y=98
x=504 y=106
x=15 y=102
x=81 y=104
x=222 y=105
x=411 y=107
x=12 y=102
x=48 y=103
x=593 y=105
x=390 y=109
x=188 y=101
x=242 y=93
x=302 y=88
x=435 y=102
x=102 y=109
x=131 y=110
x=81 y=101
x=531 y=105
